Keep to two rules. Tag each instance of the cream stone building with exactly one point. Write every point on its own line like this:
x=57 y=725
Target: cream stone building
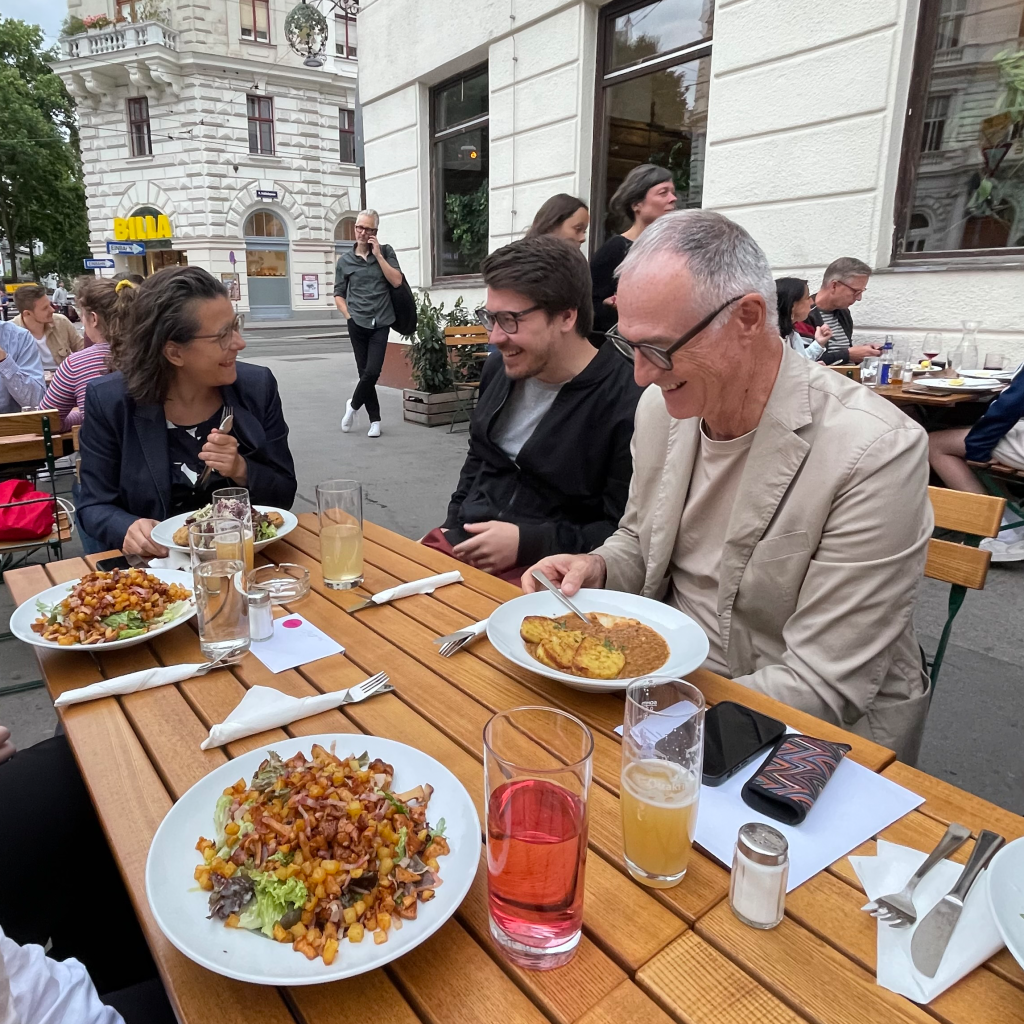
x=201 y=114
x=889 y=130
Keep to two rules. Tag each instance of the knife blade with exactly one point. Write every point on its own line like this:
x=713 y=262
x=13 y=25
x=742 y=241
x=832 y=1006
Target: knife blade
x=932 y=935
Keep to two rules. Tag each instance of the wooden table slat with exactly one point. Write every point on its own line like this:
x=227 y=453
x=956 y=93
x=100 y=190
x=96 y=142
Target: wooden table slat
x=626 y=1004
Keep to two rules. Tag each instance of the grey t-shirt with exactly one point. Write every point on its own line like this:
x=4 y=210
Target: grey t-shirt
x=365 y=289
x=524 y=408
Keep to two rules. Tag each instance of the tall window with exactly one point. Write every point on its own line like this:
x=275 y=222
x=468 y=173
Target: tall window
x=963 y=139
x=458 y=124
x=347 y=135
x=255 y=20
x=138 y=126
x=126 y=10
x=345 y=29
x=654 y=74
x=261 y=124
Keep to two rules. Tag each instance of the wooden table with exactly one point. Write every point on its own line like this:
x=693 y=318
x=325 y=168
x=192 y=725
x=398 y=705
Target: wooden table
x=647 y=957
x=895 y=393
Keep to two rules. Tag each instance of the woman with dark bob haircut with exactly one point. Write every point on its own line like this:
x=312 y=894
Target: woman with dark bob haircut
x=152 y=427
x=646 y=193
x=562 y=216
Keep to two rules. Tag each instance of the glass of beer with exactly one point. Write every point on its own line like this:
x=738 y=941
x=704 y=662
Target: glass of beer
x=218 y=571
x=662 y=761
x=234 y=503
x=339 y=504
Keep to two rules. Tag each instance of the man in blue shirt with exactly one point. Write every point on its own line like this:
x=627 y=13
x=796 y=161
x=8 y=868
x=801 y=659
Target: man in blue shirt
x=21 y=370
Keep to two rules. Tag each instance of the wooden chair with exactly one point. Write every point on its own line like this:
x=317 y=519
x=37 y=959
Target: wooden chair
x=1006 y=482
x=851 y=370
x=466 y=354
x=963 y=566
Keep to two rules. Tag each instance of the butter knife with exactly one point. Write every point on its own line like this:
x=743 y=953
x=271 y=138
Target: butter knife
x=934 y=932
x=424 y=586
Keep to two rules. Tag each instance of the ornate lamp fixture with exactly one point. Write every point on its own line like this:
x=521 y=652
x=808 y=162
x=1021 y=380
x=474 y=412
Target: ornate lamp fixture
x=305 y=28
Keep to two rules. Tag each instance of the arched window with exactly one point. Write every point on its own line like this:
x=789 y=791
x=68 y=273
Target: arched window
x=264 y=224
x=266 y=265
x=345 y=231
x=917 y=233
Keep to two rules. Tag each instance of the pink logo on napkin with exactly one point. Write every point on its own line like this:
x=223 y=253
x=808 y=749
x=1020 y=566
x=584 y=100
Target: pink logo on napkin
x=292 y=623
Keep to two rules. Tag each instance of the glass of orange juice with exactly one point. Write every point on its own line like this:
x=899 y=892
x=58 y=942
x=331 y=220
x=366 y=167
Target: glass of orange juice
x=234 y=503
x=662 y=761
x=339 y=504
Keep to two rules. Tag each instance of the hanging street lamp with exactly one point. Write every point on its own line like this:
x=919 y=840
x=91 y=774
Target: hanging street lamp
x=305 y=28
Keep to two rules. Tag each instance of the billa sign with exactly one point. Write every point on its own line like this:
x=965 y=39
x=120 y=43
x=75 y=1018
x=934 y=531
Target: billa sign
x=141 y=228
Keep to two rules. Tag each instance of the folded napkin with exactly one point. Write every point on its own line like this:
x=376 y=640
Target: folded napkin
x=265 y=708
x=174 y=560
x=425 y=586
x=144 y=680
x=974 y=940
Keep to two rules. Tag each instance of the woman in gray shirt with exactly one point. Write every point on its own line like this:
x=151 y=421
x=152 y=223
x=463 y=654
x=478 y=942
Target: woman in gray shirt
x=362 y=292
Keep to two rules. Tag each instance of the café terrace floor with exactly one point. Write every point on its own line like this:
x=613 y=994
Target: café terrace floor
x=975 y=735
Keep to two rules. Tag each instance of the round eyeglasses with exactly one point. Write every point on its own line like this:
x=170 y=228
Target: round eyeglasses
x=506 y=319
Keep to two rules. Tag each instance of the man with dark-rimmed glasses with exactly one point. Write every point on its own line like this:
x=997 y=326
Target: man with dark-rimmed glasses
x=549 y=464
x=844 y=282
x=780 y=505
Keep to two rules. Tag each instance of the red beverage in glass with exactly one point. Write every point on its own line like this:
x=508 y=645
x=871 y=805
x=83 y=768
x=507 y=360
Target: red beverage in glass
x=536 y=855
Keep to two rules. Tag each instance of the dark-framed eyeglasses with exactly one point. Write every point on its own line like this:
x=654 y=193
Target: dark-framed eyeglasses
x=225 y=337
x=506 y=319
x=857 y=292
x=369 y=231
x=662 y=357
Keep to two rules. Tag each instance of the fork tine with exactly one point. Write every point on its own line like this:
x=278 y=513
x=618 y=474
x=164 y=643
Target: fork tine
x=448 y=649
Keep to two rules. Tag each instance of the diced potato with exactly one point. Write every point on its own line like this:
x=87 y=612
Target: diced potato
x=359 y=908
x=330 y=951
x=280 y=934
x=231 y=921
x=383 y=921
x=380 y=936
x=231 y=828
x=298 y=930
x=330 y=867
x=349 y=914
x=355 y=933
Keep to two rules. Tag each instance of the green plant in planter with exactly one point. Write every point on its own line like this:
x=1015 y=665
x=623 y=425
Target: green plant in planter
x=428 y=353
x=73 y=26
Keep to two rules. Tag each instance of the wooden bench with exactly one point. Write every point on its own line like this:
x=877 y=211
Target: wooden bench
x=1005 y=482
x=465 y=360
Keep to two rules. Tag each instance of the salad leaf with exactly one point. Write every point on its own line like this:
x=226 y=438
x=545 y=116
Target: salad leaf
x=269 y=772
x=124 y=620
x=229 y=895
x=438 y=830
x=396 y=803
x=403 y=835
x=364 y=759
x=283 y=858
x=171 y=612
x=221 y=816
x=273 y=900
x=265 y=530
x=244 y=828
x=124 y=634
x=49 y=612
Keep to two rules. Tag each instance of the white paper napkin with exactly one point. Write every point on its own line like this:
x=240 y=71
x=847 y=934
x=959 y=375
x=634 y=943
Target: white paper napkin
x=143 y=680
x=265 y=708
x=974 y=940
x=174 y=560
x=425 y=586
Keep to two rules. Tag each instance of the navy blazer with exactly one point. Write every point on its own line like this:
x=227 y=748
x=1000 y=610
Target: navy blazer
x=999 y=417
x=125 y=470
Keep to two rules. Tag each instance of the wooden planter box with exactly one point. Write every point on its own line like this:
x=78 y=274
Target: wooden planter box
x=433 y=410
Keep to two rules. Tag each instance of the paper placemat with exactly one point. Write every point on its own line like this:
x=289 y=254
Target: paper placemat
x=295 y=642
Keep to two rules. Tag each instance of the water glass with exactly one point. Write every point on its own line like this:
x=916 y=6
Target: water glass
x=218 y=572
x=339 y=504
x=537 y=772
x=662 y=764
x=994 y=360
x=869 y=370
x=234 y=503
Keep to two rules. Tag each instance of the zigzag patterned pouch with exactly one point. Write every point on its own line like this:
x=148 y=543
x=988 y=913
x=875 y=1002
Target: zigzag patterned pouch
x=794 y=773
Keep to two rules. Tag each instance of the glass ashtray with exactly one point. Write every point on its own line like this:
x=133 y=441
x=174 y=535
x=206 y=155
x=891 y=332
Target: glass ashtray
x=284 y=583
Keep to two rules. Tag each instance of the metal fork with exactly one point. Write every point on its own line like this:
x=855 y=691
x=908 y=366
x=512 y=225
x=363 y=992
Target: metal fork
x=897 y=909
x=226 y=423
x=454 y=642
x=380 y=683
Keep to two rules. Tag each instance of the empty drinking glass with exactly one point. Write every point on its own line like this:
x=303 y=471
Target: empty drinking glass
x=339 y=504
x=218 y=571
x=869 y=370
x=994 y=360
x=537 y=771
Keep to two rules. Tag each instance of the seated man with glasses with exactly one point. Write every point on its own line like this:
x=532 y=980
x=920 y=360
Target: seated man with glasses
x=779 y=504
x=844 y=282
x=549 y=466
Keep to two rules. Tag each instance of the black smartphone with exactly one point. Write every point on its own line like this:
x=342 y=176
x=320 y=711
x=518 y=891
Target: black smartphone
x=109 y=564
x=733 y=736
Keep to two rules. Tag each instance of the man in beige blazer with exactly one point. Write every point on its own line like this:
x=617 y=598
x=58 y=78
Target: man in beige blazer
x=56 y=337
x=781 y=505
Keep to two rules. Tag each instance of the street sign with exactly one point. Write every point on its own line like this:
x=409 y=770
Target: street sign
x=265 y=194
x=100 y=264
x=127 y=248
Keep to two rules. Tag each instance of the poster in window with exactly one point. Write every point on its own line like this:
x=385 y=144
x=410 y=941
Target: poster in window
x=311 y=286
x=231 y=282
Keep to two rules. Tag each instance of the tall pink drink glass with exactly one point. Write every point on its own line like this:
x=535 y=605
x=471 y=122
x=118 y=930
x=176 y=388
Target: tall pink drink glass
x=537 y=771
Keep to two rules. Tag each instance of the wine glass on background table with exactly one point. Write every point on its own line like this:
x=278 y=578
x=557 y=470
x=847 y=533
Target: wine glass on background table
x=537 y=793
x=662 y=763
x=234 y=503
x=339 y=506
x=932 y=345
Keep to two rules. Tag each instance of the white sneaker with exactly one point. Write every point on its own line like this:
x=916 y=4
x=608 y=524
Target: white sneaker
x=349 y=417
x=374 y=430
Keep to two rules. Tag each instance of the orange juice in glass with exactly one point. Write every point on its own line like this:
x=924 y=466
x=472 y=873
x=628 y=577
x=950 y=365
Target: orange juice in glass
x=339 y=506
x=234 y=503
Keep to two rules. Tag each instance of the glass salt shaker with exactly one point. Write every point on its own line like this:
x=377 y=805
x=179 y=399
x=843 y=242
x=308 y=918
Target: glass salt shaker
x=760 y=870
x=261 y=615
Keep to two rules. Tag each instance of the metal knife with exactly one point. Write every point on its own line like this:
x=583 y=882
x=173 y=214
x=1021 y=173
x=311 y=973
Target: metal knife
x=934 y=932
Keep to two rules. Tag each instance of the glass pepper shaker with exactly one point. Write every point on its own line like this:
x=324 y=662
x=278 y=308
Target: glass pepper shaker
x=760 y=870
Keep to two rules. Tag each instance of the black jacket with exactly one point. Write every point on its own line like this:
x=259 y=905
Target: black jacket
x=125 y=469
x=603 y=265
x=567 y=489
x=999 y=418
x=835 y=353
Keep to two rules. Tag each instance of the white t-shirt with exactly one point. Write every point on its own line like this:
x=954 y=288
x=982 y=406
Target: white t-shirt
x=45 y=354
x=697 y=555
x=524 y=409
x=37 y=990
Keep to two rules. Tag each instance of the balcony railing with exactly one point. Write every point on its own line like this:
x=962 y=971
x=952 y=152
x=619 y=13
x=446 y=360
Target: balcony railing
x=124 y=35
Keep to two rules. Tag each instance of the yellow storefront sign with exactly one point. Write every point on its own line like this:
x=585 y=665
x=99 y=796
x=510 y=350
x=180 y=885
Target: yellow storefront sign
x=131 y=229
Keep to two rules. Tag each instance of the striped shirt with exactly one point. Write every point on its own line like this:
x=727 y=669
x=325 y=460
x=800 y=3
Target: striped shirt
x=840 y=339
x=66 y=392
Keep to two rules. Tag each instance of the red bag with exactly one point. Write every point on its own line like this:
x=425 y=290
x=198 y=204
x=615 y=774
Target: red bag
x=25 y=522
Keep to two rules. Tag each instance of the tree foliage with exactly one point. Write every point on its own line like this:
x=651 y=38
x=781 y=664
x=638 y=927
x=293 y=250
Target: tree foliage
x=42 y=196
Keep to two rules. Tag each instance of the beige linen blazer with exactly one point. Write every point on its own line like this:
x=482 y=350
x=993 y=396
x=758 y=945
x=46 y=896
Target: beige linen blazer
x=824 y=552
x=61 y=337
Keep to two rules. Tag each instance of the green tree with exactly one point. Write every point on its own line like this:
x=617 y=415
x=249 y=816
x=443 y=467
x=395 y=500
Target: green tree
x=42 y=196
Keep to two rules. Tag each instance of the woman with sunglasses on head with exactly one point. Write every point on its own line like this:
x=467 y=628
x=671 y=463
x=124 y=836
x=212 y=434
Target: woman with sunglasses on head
x=647 y=193
x=152 y=428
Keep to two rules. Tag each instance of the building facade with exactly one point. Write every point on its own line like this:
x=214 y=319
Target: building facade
x=206 y=141
x=892 y=131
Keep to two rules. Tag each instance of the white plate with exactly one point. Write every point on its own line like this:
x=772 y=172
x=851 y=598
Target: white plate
x=25 y=614
x=180 y=907
x=1001 y=375
x=1006 y=896
x=687 y=642
x=164 y=532
x=969 y=384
